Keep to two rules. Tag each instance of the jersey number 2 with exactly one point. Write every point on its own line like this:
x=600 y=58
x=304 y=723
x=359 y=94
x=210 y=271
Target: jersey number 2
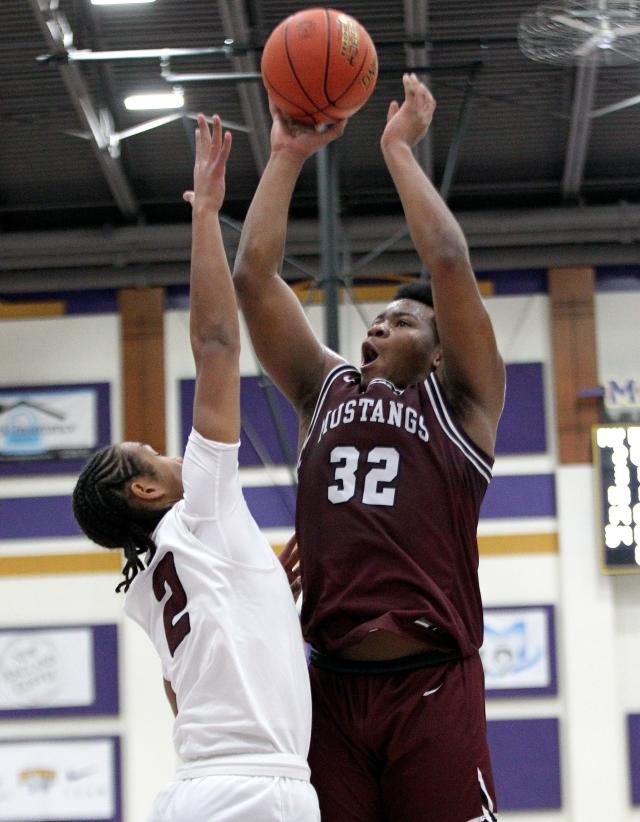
x=373 y=493
x=165 y=574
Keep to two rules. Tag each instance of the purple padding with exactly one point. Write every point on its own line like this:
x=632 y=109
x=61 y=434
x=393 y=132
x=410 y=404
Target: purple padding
x=33 y=517
x=521 y=281
x=618 y=278
x=520 y=495
x=264 y=440
x=272 y=507
x=522 y=426
x=526 y=763
x=633 y=728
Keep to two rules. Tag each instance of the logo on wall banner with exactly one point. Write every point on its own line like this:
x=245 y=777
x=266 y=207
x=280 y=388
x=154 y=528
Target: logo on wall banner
x=46 y=669
x=47 y=424
x=63 y=780
x=515 y=653
x=622 y=399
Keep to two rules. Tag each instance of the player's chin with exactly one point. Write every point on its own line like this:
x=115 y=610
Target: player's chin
x=367 y=372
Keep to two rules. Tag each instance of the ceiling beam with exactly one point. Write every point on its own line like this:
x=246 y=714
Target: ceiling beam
x=416 y=14
x=579 y=130
x=252 y=98
x=159 y=255
x=59 y=39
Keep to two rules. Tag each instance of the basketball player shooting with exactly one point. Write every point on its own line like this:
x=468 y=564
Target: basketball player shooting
x=200 y=578
x=394 y=463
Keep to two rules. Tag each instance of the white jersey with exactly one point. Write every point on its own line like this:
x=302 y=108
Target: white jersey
x=216 y=604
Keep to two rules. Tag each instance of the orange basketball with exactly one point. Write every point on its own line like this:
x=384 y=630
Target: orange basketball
x=319 y=65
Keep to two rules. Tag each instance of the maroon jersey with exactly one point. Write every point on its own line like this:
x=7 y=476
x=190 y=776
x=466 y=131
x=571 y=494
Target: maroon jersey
x=389 y=497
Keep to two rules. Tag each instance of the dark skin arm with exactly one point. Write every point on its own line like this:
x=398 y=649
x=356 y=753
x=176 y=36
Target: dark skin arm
x=281 y=335
x=472 y=370
x=171 y=696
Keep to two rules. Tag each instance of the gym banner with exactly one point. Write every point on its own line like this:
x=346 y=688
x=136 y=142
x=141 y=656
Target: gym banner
x=60 y=780
x=518 y=653
x=58 y=671
x=47 y=428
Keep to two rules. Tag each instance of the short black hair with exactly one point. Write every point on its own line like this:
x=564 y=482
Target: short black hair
x=419 y=290
x=103 y=508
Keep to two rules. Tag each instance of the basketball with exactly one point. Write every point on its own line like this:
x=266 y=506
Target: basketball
x=319 y=65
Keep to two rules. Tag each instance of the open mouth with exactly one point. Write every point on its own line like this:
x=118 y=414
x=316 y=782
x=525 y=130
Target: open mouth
x=369 y=353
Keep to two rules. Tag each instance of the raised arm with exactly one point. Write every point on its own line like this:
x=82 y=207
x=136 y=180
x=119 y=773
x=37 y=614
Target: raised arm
x=472 y=371
x=213 y=322
x=282 y=337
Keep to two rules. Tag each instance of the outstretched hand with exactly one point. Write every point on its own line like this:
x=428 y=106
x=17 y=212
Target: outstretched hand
x=212 y=152
x=290 y=561
x=408 y=123
x=298 y=139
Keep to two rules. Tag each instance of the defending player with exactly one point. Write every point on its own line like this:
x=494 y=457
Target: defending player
x=396 y=457
x=201 y=579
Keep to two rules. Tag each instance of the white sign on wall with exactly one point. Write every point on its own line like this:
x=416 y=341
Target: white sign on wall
x=518 y=654
x=43 y=423
x=58 y=780
x=46 y=669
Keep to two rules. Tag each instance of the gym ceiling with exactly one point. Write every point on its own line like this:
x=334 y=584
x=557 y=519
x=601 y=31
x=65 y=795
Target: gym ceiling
x=540 y=162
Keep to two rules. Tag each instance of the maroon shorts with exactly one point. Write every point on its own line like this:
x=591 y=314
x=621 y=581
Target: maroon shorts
x=409 y=746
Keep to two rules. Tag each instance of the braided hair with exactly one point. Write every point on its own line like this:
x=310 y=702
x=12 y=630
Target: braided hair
x=104 y=510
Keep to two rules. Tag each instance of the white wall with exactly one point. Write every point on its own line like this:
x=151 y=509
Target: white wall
x=598 y=617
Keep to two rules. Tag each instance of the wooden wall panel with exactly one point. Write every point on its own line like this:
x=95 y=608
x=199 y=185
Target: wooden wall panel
x=142 y=332
x=571 y=292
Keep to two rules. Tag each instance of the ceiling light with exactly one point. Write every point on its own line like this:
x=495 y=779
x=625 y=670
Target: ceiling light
x=119 y=2
x=142 y=102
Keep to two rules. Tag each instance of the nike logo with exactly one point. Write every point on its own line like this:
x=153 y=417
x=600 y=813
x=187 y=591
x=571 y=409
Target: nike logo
x=428 y=693
x=74 y=776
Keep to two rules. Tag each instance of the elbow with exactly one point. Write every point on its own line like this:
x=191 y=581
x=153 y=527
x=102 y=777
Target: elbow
x=242 y=279
x=451 y=254
x=215 y=342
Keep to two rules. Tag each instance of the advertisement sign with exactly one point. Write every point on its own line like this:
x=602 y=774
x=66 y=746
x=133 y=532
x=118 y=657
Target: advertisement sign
x=518 y=653
x=60 y=780
x=42 y=427
x=58 y=671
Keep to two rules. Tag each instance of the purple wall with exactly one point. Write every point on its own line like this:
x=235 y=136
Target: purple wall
x=526 y=763
x=633 y=730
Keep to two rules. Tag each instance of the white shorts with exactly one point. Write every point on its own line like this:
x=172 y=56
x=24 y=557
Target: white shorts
x=236 y=799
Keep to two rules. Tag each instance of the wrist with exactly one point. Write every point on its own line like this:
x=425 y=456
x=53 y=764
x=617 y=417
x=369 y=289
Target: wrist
x=394 y=146
x=286 y=156
x=202 y=208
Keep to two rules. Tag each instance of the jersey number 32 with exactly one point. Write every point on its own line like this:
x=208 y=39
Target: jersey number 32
x=382 y=469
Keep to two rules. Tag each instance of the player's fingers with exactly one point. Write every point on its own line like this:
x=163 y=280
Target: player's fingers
x=203 y=130
x=226 y=146
x=338 y=127
x=393 y=108
x=289 y=550
x=198 y=141
x=409 y=87
x=273 y=108
x=422 y=95
x=216 y=133
x=188 y=197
